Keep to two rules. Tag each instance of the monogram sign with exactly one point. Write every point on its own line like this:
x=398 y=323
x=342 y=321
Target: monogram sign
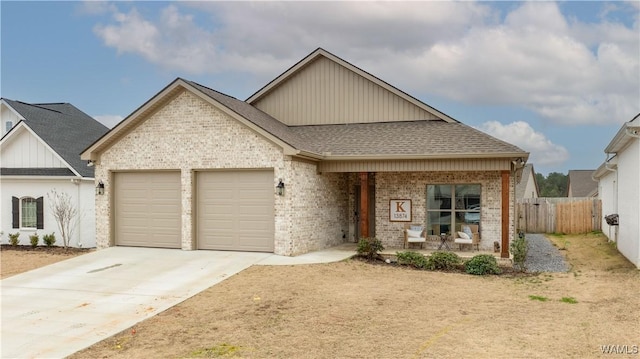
x=400 y=210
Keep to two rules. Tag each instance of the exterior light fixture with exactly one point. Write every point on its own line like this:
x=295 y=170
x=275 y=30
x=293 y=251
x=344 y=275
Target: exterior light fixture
x=100 y=188
x=280 y=188
x=90 y=163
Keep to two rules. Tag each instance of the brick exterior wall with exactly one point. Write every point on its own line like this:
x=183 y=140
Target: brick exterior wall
x=185 y=134
x=316 y=209
x=412 y=185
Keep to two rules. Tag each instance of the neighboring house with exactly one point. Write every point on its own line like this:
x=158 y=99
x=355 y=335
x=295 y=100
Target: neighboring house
x=323 y=154
x=580 y=183
x=528 y=185
x=619 y=189
x=40 y=152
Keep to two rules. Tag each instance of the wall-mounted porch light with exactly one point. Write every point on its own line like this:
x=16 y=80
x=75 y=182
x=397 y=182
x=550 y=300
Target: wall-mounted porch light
x=90 y=163
x=280 y=188
x=100 y=188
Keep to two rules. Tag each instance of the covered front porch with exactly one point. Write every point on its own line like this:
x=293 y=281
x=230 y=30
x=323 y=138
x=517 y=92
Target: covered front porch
x=439 y=203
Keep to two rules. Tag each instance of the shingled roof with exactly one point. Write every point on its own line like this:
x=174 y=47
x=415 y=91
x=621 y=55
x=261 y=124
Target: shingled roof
x=64 y=128
x=410 y=138
x=581 y=184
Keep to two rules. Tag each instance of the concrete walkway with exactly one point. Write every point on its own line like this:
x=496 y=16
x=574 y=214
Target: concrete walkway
x=57 y=310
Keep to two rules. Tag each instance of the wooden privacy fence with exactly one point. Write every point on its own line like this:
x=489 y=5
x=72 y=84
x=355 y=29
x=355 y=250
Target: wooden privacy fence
x=559 y=215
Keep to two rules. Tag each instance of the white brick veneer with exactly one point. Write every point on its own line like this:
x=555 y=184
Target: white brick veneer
x=189 y=134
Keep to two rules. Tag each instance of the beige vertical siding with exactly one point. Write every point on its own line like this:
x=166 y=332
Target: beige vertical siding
x=326 y=92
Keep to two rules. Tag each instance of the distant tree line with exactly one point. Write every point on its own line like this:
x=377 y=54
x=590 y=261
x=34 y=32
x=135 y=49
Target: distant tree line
x=554 y=185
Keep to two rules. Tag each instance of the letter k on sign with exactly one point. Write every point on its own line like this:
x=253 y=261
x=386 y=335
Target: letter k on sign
x=399 y=207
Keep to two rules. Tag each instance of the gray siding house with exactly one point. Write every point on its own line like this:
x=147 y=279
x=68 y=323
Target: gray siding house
x=325 y=153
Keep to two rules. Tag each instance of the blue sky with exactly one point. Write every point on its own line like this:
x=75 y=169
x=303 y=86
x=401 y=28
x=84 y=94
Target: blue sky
x=557 y=79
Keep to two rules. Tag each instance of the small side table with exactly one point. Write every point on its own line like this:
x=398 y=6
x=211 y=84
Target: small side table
x=443 y=242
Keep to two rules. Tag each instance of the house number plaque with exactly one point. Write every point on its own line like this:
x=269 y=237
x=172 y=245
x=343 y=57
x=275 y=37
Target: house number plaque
x=400 y=210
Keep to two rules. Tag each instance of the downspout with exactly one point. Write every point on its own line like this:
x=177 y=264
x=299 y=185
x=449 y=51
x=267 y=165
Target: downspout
x=78 y=183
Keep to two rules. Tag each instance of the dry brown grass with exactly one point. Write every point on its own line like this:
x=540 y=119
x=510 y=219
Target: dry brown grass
x=353 y=309
x=19 y=259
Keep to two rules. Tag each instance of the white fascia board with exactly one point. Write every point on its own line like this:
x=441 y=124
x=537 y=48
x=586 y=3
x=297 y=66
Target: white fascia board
x=2 y=101
x=23 y=125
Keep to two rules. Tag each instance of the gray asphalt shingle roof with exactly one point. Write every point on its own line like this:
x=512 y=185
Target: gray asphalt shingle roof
x=36 y=172
x=581 y=183
x=66 y=129
x=427 y=137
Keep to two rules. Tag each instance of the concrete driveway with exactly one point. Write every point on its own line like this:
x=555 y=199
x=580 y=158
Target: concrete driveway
x=57 y=310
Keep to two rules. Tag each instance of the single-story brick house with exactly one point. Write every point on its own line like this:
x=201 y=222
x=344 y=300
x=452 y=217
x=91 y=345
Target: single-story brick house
x=324 y=154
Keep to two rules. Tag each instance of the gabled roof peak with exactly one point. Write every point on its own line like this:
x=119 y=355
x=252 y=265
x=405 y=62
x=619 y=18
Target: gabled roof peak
x=320 y=52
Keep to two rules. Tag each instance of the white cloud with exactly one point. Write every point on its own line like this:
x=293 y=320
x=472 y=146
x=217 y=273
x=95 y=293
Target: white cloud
x=542 y=151
x=109 y=120
x=567 y=71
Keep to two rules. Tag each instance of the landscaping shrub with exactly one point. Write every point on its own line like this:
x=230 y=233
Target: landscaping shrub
x=519 y=250
x=482 y=264
x=369 y=248
x=411 y=258
x=34 y=239
x=13 y=238
x=442 y=261
x=49 y=239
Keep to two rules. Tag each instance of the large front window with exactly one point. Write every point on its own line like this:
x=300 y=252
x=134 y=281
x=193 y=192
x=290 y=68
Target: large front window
x=449 y=206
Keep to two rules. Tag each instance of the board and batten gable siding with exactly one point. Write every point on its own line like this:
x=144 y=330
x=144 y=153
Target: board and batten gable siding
x=186 y=134
x=325 y=92
x=24 y=150
x=7 y=115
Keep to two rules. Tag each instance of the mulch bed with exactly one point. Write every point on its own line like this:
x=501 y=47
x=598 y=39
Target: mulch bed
x=45 y=249
x=506 y=271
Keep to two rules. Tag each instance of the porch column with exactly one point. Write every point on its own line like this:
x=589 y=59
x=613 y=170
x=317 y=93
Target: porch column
x=504 y=251
x=364 y=205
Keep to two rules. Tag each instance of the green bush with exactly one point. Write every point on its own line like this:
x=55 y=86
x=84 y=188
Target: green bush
x=519 y=250
x=13 y=238
x=411 y=258
x=34 y=239
x=482 y=264
x=442 y=261
x=49 y=239
x=369 y=248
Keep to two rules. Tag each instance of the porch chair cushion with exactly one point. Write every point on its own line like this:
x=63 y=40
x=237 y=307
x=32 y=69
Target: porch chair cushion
x=412 y=236
x=463 y=235
x=467 y=230
x=464 y=238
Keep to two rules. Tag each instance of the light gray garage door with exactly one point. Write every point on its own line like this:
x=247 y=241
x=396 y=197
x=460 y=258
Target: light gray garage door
x=235 y=210
x=147 y=209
